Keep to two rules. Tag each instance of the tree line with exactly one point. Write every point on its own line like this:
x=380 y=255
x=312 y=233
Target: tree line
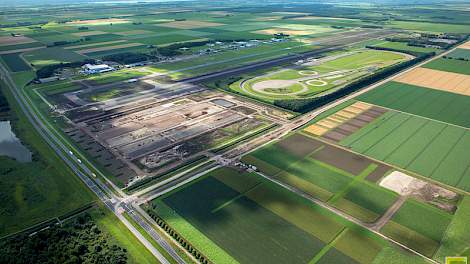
x=307 y=104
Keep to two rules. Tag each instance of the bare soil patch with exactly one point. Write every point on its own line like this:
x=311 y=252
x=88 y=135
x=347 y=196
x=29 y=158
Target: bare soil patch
x=466 y=45
x=378 y=173
x=273 y=84
x=342 y=159
x=299 y=145
x=10 y=40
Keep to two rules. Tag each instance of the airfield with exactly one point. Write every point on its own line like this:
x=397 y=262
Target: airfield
x=190 y=153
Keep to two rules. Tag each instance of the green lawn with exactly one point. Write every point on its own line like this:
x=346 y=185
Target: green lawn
x=450 y=65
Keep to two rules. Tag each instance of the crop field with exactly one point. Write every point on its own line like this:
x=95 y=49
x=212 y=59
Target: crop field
x=403 y=46
x=431 y=103
x=429 y=148
x=460 y=54
x=14 y=62
x=456 y=241
x=308 y=165
x=435 y=79
x=313 y=78
x=449 y=65
x=47 y=56
x=431 y=27
x=225 y=207
x=419 y=226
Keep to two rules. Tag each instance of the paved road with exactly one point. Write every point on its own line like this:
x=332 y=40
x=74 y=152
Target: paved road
x=100 y=189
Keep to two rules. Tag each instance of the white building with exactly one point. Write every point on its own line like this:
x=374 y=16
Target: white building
x=99 y=68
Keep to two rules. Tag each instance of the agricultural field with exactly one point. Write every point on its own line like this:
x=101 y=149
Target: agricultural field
x=345 y=181
x=403 y=46
x=430 y=148
x=460 y=54
x=14 y=62
x=431 y=103
x=231 y=207
x=317 y=76
x=449 y=65
x=430 y=27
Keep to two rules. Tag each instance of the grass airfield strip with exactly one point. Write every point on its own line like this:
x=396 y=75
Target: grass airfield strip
x=275 y=225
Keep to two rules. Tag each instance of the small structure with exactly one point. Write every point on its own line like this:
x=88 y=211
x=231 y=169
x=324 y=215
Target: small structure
x=96 y=68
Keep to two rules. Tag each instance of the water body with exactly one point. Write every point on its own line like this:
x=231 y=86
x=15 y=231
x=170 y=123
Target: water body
x=11 y=146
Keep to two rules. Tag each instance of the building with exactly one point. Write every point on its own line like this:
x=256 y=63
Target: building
x=96 y=68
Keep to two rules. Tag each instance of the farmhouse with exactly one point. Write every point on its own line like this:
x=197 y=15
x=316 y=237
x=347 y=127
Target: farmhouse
x=99 y=68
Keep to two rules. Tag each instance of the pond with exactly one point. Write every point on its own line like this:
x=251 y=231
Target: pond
x=11 y=146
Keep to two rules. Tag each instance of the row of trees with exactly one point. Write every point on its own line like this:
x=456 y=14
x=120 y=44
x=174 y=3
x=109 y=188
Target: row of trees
x=183 y=242
x=48 y=71
x=305 y=105
x=79 y=241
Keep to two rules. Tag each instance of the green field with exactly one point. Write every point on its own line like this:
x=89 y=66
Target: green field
x=225 y=207
x=14 y=62
x=347 y=192
x=47 y=56
x=450 y=65
x=429 y=148
x=439 y=105
x=431 y=27
x=460 y=53
x=341 y=69
x=419 y=226
x=404 y=46
x=456 y=241
x=36 y=191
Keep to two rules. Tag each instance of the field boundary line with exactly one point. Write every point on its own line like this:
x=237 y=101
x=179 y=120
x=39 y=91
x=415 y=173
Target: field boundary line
x=403 y=112
x=447 y=154
x=461 y=177
x=388 y=134
x=341 y=214
x=408 y=139
x=328 y=246
x=403 y=169
x=235 y=198
x=359 y=178
x=425 y=148
x=380 y=119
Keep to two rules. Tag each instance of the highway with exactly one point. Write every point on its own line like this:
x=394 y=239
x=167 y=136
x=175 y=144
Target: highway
x=82 y=171
x=128 y=203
